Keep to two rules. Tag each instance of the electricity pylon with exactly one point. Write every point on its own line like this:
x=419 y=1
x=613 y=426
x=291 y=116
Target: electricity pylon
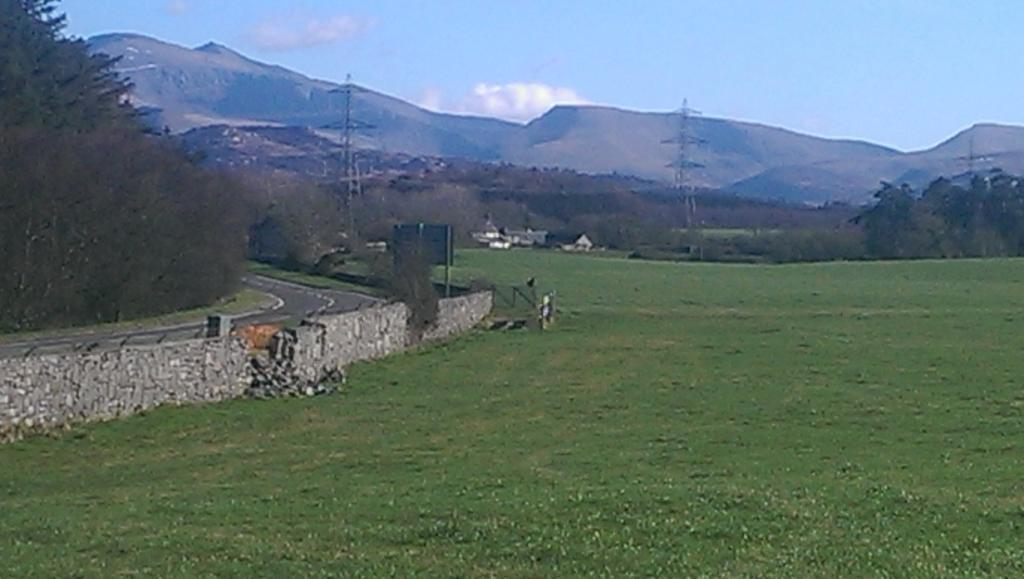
x=349 y=127
x=684 y=164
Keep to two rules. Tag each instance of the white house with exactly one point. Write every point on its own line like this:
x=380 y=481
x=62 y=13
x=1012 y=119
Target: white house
x=582 y=243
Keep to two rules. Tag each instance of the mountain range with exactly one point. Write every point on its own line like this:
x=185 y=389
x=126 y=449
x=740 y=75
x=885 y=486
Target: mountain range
x=212 y=85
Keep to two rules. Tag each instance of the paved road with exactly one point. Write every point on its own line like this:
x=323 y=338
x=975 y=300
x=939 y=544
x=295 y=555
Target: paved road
x=293 y=302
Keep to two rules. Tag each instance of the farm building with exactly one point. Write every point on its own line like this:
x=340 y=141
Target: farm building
x=495 y=238
x=582 y=243
x=526 y=237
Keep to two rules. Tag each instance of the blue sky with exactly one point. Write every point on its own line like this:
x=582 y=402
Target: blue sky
x=905 y=73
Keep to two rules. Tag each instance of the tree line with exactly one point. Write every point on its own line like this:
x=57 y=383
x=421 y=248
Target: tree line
x=99 y=221
x=982 y=218
x=979 y=216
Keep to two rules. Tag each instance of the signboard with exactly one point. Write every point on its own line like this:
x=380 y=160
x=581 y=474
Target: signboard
x=434 y=241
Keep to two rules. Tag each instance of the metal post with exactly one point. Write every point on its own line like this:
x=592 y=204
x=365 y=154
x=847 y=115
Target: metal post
x=448 y=258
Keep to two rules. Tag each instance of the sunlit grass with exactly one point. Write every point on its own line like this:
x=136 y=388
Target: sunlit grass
x=679 y=420
x=311 y=280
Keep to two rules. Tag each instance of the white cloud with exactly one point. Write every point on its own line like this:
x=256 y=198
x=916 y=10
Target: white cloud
x=290 y=34
x=177 y=7
x=516 y=101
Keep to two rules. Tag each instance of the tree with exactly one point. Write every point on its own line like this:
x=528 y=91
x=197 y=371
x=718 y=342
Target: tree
x=294 y=224
x=48 y=81
x=886 y=225
x=87 y=241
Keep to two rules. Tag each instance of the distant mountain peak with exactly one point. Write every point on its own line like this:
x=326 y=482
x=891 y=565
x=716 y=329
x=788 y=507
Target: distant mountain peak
x=111 y=36
x=215 y=85
x=983 y=137
x=216 y=48
x=114 y=38
x=991 y=125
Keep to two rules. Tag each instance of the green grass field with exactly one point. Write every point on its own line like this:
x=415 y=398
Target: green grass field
x=725 y=233
x=317 y=281
x=849 y=419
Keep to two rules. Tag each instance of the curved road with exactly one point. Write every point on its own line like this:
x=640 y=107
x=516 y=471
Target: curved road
x=294 y=301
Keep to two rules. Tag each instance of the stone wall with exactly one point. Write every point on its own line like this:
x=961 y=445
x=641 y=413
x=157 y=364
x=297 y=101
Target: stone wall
x=40 y=392
x=458 y=315
x=327 y=343
x=43 y=392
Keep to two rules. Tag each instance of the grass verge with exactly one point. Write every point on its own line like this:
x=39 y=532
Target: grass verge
x=246 y=300
x=312 y=280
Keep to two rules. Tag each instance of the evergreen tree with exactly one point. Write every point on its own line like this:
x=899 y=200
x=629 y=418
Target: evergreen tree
x=48 y=81
x=98 y=222
x=885 y=224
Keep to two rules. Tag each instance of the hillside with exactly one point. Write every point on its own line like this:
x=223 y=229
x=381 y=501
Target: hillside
x=214 y=85
x=293 y=150
x=601 y=139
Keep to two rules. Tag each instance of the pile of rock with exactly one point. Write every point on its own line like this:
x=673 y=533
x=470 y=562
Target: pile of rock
x=274 y=374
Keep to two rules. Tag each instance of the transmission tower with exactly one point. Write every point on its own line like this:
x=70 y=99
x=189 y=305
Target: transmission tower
x=349 y=127
x=684 y=164
x=972 y=159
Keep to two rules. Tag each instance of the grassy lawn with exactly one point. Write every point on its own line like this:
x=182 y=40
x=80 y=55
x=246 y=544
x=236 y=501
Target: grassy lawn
x=317 y=281
x=724 y=233
x=246 y=300
x=861 y=419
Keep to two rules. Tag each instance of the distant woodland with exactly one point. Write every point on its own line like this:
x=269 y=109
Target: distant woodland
x=98 y=220
x=617 y=212
x=984 y=218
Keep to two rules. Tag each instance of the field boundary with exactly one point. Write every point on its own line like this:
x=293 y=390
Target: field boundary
x=39 y=393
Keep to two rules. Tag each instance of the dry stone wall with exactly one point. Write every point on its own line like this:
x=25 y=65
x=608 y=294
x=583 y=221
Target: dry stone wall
x=321 y=347
x=458 y=315
x=40 y=392
x=329 y=343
